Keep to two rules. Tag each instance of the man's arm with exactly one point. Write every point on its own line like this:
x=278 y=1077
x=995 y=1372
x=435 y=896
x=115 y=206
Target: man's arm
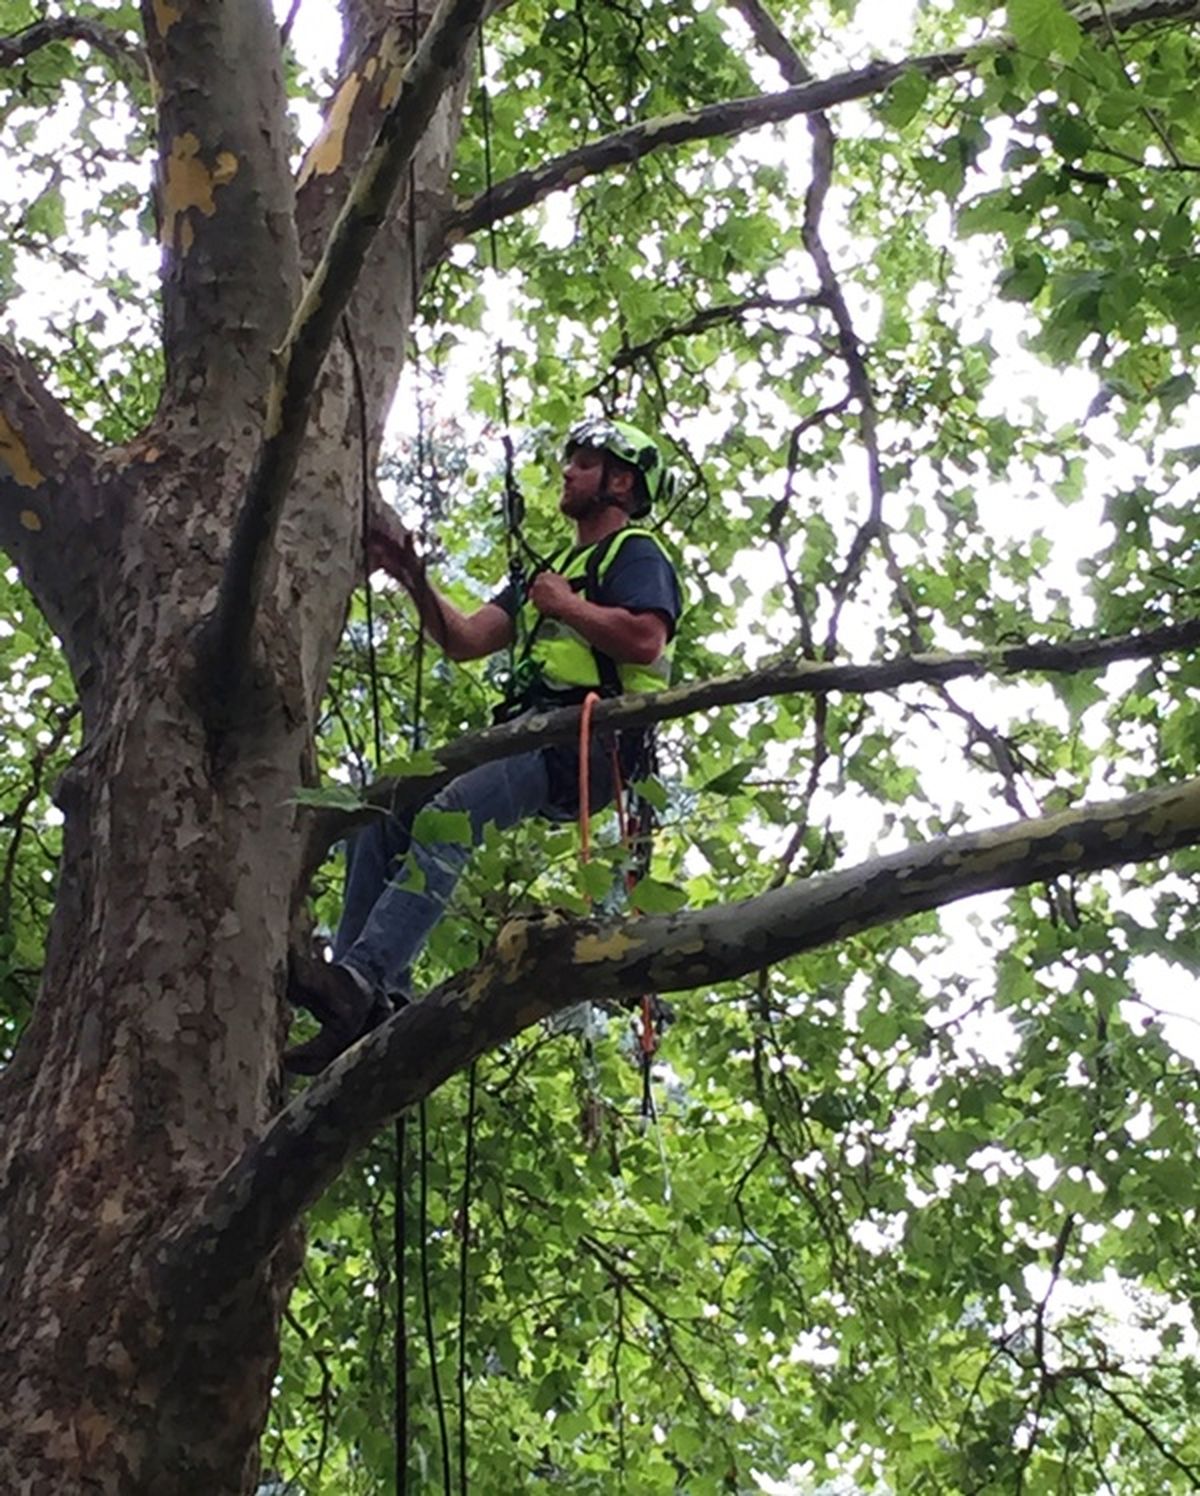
x=463 y=636
x=630 y=637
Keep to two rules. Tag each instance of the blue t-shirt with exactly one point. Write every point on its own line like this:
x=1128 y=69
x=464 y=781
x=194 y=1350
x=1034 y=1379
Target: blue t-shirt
x=639 y=578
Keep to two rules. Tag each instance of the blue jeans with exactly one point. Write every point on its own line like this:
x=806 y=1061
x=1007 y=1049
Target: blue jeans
x=385 y=925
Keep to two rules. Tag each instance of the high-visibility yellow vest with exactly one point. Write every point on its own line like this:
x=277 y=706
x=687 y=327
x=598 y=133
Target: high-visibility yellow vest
x=563 y=660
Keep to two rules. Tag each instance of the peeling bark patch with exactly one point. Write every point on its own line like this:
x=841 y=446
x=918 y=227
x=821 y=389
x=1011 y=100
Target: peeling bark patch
x=608 y=947
x=165 y=15
x=16 y=459
x=31 y=520
x=391 y=88
x=325 y=153
x=191 y=184
x=511 y=945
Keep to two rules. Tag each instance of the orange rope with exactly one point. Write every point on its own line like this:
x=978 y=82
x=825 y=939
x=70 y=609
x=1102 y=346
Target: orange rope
x=585 y=781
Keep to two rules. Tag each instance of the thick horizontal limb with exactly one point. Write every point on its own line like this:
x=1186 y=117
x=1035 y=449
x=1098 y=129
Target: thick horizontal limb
x=542 y=964
x=737 y=116
x=786 y=678
x=439 y=59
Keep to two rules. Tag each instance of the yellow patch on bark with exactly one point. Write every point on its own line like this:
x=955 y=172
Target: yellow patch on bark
x=987 y=860
x=689 y=948
x=31 y=520
x=16 y=458
x=391 y=88
x=325 y=153
x=165 y=15
x=112 y=1213
x=480 y=985
x=512 y=943
x=190 y=184
x=608 y=947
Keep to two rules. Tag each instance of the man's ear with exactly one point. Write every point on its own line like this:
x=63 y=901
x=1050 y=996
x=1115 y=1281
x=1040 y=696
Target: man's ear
x=621 y=480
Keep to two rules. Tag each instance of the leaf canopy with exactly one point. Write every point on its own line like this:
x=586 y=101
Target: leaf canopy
x=916 y=1212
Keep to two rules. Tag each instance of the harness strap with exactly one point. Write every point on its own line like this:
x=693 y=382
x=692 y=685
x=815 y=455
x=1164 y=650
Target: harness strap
x=607 y=673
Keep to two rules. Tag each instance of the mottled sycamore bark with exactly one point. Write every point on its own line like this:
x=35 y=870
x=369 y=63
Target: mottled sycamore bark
x=152 y=1059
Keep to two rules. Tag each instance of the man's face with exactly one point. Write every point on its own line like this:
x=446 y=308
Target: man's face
x=583 y=481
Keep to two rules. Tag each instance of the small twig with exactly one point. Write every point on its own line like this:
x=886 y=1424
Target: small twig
x=1150 y=115
x=322 y=1398
x=14 y=820
x=116 y=47
x=285 y=30
x=711 y=316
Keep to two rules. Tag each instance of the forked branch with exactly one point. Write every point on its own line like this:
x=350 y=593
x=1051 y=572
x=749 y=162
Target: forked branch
x=225 y=653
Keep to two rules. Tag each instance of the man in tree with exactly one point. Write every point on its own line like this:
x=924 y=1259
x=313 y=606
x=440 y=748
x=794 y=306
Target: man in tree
x=600 y=618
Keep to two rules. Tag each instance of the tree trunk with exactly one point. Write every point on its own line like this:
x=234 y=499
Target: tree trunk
x=152 y=1057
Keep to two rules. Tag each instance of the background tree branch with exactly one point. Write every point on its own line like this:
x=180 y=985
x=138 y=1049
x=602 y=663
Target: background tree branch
x=785 y=678
x=543 y=964
x=115 y=45
x=737 y=116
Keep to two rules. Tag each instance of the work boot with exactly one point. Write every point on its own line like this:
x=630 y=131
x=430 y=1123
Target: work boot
x=346 y=1008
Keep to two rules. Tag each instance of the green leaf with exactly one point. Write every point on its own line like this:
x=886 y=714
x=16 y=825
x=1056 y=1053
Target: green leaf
x=653 y=897
x=433 y=826
x=416 y=765
x=595 y=879
x=1024 y=279
x=652 y=791
x=331 y=797
x=1043 y=28
x=904 y=98
x=47 y=214
x=730 y=780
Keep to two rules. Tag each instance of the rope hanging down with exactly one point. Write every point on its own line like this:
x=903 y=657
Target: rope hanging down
x=635 y=822
x=523 y=561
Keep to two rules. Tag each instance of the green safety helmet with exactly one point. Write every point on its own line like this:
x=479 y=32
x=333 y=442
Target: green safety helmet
x=628 y=443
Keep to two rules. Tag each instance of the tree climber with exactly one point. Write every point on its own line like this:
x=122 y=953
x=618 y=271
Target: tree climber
x=602 y=618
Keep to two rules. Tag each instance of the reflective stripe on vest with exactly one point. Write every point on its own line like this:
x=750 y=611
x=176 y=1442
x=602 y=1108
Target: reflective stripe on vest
x=565 y=659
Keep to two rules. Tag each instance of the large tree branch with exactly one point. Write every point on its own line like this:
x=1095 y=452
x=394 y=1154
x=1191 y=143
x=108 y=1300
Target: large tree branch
x=49 y=506
x=225 y=653
x=789 y=677
x=378 y=51
x=542 y=964
x=225 y=200
x=736 y=116
x=115 y=45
